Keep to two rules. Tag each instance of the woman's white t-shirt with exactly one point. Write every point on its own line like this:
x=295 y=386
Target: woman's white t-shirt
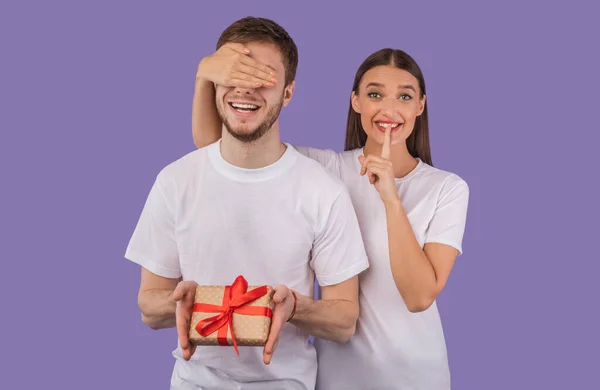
x=393 y=348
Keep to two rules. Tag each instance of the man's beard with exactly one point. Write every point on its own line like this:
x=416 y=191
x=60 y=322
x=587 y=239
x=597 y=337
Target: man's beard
x=262 y=129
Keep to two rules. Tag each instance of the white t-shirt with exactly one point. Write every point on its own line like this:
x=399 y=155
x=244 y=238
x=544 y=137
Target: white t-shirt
x=393 y=348
x=210 y=221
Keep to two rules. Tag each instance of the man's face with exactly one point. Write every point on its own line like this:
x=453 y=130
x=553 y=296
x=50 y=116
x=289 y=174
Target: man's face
x=248 y=113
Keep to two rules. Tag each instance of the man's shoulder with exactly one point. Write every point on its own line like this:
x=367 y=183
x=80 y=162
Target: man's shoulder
x=183 y=167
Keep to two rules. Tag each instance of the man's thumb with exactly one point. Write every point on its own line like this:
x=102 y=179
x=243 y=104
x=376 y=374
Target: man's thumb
x=182 y=289
x=279 y=295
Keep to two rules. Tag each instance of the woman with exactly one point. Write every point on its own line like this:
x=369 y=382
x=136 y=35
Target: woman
x=412 y=218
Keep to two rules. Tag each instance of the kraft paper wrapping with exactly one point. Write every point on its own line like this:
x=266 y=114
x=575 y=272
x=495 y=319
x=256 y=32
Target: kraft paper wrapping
x=249 y=330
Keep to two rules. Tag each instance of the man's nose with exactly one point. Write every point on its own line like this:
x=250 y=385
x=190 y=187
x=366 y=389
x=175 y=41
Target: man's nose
x=244 y=91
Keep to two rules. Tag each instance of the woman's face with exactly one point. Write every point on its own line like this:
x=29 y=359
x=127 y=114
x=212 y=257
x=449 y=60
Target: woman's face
x=388 y=97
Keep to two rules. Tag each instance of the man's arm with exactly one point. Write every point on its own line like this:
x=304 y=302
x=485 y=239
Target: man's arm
x=338 y=256
x=165 y=303
x=334 y=316
x=155 y=299
x=163 y=298
x=153 y=246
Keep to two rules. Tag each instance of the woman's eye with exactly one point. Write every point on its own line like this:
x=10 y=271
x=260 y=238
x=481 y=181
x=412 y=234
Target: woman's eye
x=374 y=95
x=405 y=97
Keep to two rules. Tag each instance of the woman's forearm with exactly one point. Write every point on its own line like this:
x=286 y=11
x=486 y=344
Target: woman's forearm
x=206 y=123
x=413 y=273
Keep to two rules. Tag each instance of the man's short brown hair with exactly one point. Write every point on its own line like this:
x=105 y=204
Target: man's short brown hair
x=252 y=29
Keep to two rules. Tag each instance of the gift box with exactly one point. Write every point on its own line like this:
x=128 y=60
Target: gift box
x=238 y=315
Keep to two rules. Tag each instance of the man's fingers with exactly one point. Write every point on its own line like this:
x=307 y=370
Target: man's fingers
x=280 y=293
x=278 y=297
x=189 y=352
x=272 y=341
x=268 y=355
x=182 y=289
x=387 y=141
x=270 y=346
x=179 y=291
x=183 y=327
x=268 y=351
x=184 y=297
x=177 y=295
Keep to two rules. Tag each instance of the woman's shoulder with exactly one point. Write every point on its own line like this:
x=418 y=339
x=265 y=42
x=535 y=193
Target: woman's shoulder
x=350 y=157
x=328 y=158
x=316 y=153
x=444 y=180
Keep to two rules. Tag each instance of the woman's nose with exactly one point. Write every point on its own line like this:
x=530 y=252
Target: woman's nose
x=390 y=106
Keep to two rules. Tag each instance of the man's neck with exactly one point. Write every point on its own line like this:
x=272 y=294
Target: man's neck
x=252 y=155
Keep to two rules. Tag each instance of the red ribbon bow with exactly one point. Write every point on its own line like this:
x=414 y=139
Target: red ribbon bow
x=234 y=299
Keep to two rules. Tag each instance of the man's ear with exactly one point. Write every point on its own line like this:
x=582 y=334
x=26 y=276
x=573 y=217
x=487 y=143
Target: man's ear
x=354 y=101
x=288 y=92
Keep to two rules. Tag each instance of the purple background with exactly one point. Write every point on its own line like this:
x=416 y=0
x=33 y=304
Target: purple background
x=96 y=99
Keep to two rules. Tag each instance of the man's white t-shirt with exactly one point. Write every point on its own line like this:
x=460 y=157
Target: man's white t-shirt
x=392 y=347
x=209 y=221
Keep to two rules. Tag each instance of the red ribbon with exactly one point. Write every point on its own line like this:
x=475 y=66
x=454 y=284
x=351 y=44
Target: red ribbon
x=234 y=299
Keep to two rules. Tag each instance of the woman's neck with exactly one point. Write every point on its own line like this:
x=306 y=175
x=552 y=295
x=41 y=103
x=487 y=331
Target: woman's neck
x=402 y=161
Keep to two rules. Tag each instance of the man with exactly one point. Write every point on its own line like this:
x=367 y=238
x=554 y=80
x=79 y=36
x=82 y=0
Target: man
x=251 y=205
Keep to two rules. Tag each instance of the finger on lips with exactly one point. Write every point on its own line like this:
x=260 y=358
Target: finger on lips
x=387 y=140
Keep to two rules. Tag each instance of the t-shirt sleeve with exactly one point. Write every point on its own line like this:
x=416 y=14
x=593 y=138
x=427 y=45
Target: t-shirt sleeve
x=153 y=244
x=328 y=158
x=338 y=251
x=449 y=219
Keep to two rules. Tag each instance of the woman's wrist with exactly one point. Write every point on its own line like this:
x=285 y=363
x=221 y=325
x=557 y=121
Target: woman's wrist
x=393 y=203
